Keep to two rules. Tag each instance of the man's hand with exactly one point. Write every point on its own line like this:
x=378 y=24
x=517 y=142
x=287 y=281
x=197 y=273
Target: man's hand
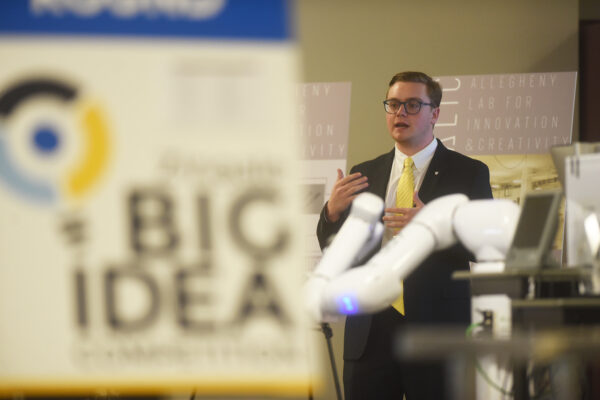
x=398 y=218
x=344 y=191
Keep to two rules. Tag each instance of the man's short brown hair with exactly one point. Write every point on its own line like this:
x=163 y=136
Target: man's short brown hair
x=434 y=90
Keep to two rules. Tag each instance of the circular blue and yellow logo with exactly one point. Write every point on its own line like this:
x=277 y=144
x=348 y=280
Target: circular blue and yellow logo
x=54 y=145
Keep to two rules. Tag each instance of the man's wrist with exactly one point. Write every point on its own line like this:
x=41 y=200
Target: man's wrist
x=329 y=217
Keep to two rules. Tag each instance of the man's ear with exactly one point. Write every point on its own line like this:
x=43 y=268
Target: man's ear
x=435 y=114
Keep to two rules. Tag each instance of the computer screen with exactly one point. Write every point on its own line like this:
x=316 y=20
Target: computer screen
x=532 y=221
x=535 y=231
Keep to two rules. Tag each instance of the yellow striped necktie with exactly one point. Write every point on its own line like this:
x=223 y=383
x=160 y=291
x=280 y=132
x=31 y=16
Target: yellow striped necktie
x=404 y=199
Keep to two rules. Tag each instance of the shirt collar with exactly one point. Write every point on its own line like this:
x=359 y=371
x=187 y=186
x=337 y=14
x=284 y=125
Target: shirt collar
x=421 y=159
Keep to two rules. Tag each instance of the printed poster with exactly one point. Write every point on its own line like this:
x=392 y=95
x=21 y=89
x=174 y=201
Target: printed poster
x=324 y=109
x=510 y=122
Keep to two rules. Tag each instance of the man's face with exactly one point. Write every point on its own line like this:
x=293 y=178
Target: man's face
x=411 y=132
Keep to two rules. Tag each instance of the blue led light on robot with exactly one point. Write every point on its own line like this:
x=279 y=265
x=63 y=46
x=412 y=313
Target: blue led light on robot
x=347 y=305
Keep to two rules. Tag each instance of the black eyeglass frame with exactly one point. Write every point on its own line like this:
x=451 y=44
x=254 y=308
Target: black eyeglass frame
x=404 y=103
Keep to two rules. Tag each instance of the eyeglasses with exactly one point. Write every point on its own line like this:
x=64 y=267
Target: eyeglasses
x=412 y=106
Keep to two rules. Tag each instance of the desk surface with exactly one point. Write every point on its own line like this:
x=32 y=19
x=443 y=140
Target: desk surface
x=540 y=274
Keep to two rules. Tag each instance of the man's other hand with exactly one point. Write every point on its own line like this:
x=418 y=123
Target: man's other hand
x=398 y=218
x=344 y=191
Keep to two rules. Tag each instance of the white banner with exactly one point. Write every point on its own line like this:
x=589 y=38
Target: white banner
x=148 y=194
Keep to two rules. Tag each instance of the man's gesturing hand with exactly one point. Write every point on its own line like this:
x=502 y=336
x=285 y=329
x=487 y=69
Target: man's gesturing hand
x=344 y=191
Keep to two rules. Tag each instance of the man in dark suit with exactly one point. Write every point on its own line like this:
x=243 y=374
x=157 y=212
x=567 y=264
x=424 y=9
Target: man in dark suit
x=371 y=371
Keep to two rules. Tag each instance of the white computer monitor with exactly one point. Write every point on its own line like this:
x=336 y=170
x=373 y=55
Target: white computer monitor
x=582 y=192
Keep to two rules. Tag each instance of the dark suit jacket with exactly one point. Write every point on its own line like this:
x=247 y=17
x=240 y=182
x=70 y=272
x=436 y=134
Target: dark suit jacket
x=430 y=294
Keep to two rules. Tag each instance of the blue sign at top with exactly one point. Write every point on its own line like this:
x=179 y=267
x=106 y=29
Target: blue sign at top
x=210 y=19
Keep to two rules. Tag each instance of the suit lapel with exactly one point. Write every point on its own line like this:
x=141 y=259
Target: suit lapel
x=434 y=174
x=381 y=175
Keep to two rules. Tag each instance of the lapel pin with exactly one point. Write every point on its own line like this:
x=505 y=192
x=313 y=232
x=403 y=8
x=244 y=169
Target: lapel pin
x=436 y=172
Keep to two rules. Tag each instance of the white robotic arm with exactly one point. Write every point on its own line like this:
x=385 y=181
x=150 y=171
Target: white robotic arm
x=360 y=233
x=335 y=289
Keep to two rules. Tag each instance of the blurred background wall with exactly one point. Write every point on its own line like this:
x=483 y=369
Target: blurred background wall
x=367 y=42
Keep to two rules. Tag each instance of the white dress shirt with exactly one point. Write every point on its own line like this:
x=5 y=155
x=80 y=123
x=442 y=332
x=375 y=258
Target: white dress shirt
x=421 y=161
